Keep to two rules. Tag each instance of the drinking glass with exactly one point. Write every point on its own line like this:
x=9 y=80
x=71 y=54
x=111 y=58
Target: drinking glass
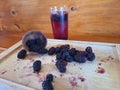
x=59 y=22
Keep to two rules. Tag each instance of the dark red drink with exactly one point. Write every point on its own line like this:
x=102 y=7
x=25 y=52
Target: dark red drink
x=59 y=23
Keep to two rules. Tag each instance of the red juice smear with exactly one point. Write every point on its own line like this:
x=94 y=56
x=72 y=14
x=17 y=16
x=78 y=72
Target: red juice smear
x=73 y=81
x=3 y=72
x=100 y=70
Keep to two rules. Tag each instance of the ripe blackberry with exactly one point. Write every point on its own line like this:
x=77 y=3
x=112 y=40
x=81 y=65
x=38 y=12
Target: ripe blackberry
x=58 y=56
x=43 y=51
x=72 y=51
x=57 y=50
x=38 y=42
x=30 y=42
x=61 y=66
x=22 y=54
x=49 y=77
x=90 y=56
x=64 y=48
x=46 y=85
x=51 y=51
x=69 y=59
x=37 y=66
x=65 y=55
x=83 y=53
x=89 y=49
x=34 y=48
x=80 y=58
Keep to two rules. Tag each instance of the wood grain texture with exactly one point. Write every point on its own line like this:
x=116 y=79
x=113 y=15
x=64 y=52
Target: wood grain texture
x=91 y=20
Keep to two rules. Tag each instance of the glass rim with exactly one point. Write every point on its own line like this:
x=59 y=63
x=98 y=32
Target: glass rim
x=59 y=8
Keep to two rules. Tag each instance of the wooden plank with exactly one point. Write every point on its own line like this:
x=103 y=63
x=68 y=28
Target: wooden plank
x=96 y=20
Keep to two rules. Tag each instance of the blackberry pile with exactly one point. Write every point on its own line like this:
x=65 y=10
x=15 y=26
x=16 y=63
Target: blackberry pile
x=66 y=54
x=36 y=45
x=72 y=54
x=37 y=66
x=47 y=84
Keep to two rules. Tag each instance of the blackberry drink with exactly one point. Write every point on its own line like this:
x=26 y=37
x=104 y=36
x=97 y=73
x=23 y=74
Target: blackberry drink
x=59 y=21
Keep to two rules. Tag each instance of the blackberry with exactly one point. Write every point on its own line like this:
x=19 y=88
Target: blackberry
x=69 y=59
x=57 y=50
x=43 y=51
x=46 y=85
x=61 y=66
x=22 y=54
x=72 y=51
x=51 y=51
x=80 y=58
x=34 y=48
x=30 y=42
x=39 y=42
x=37 y=66
x=64 y=48
x=90 y=56
x=58 y=56
x=49 y=77
x=64 y=55
x=89 y=49
x=83 y=53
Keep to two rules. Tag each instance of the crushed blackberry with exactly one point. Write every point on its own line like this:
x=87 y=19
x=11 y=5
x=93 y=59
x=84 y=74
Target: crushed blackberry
x=49 y=77
x=51 y=51
x=46 y=85
x=61 y=66
x=37 y=66
x=89 y=49
x=90 y=56
x=22 y=54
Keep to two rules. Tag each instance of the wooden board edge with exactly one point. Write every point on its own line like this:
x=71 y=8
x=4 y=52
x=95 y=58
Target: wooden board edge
x=118 y=50
x=6 y=52
x=13 y=84
x=87 y=42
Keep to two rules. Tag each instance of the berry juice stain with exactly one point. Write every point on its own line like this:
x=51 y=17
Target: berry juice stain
x=99 y=64
x=82 y=79
x=3 y=72
x=100 y=70
x=102 y=60
x=73 y=81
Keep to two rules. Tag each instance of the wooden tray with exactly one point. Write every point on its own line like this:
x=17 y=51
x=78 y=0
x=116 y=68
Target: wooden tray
x=19 y=73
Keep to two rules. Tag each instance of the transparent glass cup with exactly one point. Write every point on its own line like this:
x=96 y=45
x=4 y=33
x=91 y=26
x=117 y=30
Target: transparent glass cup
x=59 y=22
